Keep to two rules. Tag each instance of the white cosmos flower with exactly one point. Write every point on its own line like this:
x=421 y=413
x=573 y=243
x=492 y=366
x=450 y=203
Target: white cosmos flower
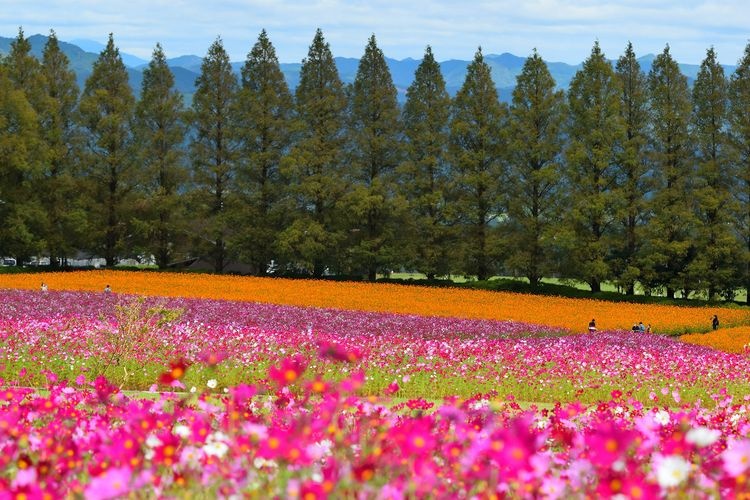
x=212 y=383
x=182 y=430
x=152 y=441
x=662 y=417
x=215 y=449
x=671 y=471
x=190 y=457
x=702 y=436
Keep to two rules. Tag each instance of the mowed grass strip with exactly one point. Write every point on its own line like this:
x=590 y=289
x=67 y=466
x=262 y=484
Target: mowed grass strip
x=567 y=313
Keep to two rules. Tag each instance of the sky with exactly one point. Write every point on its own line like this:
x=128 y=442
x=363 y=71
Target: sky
x=561 y=30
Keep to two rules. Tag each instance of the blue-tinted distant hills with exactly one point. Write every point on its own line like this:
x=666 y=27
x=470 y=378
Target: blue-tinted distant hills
x=505 y=67
x=130 y=60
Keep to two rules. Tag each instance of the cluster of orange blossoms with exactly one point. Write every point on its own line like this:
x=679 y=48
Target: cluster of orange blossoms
x=725 y=339
x=567 y=313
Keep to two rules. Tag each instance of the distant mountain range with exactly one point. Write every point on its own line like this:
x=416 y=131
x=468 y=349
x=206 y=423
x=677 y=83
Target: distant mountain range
x=505 y=67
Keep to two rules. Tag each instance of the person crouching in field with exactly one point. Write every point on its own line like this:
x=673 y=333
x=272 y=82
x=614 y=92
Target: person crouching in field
x=592 y=325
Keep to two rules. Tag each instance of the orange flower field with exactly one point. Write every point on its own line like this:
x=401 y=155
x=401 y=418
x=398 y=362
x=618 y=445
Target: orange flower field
x=571 y=314
x=724 y=339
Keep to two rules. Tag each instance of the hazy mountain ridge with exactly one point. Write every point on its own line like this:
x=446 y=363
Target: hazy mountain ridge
x=505 y=67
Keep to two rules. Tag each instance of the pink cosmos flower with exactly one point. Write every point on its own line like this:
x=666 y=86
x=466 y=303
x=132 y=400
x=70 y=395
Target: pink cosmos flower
x=607 y=443
x=336 y=352
x=288 y=371
x=113 y=483
x=736 y=457
x=176 y=372
x=392 y=388
x=212 y=357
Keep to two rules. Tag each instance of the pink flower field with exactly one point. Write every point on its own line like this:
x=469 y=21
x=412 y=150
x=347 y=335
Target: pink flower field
x=108 y=395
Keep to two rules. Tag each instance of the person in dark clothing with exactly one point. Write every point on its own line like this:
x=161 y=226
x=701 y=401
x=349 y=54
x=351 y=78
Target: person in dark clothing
x=715 y=322
x=592 y=325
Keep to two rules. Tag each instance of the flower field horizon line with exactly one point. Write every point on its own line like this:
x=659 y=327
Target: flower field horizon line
x=572 y=314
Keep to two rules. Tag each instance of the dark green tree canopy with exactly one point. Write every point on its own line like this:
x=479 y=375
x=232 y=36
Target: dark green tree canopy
x=106 y=112
x=375 y=152
x=596 y=132
x=214 y=152
x=264 y=125
x=477 y=148
x=425 y=171
x=160 y=130
x=314 y=167
x=534 y=188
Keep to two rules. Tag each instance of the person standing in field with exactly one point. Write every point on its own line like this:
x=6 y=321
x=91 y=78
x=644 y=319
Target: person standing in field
x=107 y=289
x=592 y=325
x=44 y=286
x=715 y=322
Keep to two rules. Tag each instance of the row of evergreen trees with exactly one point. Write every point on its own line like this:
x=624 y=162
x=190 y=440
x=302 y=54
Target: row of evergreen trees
x=628 y=177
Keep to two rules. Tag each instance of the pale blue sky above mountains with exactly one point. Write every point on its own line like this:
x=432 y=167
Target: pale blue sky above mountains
x=561 y=30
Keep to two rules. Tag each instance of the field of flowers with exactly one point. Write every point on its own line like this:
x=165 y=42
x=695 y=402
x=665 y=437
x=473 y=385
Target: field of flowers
x=735 y=339
x=570 y=314
x=283 y=398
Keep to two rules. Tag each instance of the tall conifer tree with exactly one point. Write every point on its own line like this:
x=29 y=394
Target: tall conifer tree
x=314 y=166
x=670 y=233
x=264 y=127
x=60 y=197
x=424 y=173
x=537 y=118
x=739 y=127
x=20 y=168
x=375 y=149
x=214 y=151
x=160 y=131
x=596 y=132
x=477 y=146
x=635 y=169
x=24 y=73
x=715 y=263
x=106 y=113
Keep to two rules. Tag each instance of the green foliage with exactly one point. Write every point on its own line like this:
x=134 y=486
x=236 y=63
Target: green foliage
x=670 y=234
x=477 y=147
x=635 y=182
x=160 y=131
x=372 y=205
x=264 y=119
x=21 y=160
x=597 y=132
x=739 y=136
x=214 y=152
x=136 y=325
x=718 y=249
x=534 y=186
x=59 y=187
x=106 y=113
x=424 y=174
x=314 y=166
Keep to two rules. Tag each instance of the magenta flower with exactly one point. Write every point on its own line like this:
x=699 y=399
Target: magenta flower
x=113 y=483
x=736 y=457
x=288 y=370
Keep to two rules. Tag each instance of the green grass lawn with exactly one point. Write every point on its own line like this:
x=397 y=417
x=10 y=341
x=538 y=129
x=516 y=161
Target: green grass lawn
x=554 y=286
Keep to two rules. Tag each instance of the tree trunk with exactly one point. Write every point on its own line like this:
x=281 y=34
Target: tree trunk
x=318 y=269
